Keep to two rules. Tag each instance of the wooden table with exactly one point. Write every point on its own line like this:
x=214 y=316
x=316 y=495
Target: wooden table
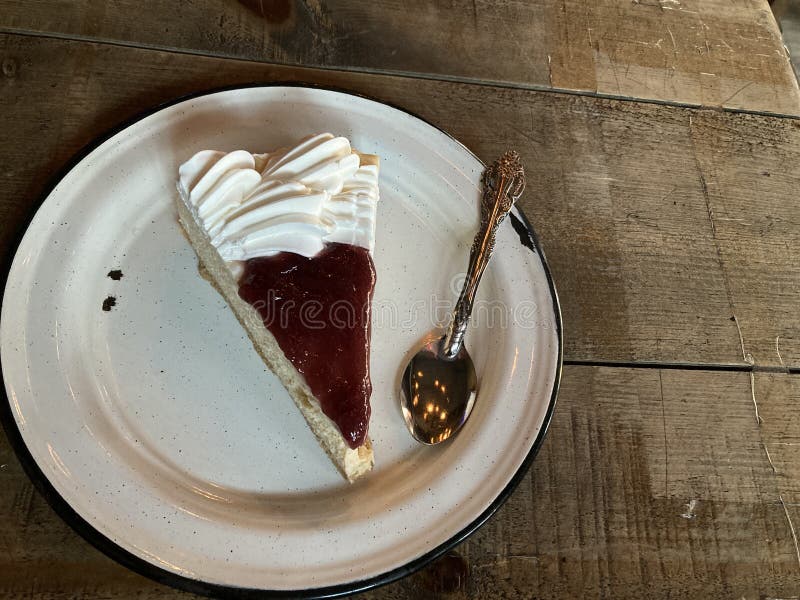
x=662 y=138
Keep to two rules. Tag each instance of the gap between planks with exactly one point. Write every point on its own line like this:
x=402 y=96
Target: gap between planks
x=678 y=366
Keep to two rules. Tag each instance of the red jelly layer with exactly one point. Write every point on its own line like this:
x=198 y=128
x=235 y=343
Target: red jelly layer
x=319 y=311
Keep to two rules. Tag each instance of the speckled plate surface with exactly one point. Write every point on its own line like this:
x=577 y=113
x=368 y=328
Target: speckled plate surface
x=154 y=428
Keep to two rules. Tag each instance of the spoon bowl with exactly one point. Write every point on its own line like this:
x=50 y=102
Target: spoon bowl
x=437 y=393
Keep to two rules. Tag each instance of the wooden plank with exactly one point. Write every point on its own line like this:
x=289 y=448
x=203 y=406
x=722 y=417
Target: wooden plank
x=621 y=193
x=709 y=52
x=752 y=236
x=777 y=398
x=651 y=482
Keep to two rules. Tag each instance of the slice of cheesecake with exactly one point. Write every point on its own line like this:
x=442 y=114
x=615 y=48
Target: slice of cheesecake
x=287 y=238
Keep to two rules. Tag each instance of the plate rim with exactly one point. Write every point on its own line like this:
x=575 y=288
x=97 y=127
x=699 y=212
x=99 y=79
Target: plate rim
x=141 y=566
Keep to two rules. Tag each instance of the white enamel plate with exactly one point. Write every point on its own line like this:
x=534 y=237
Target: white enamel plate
x=157 y=432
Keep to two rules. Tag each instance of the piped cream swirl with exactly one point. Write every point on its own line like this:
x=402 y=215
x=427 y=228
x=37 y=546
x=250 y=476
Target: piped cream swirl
x=289 y=200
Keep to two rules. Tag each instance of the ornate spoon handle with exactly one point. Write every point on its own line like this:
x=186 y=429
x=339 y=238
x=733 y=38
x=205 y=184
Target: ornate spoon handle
x=503 y=182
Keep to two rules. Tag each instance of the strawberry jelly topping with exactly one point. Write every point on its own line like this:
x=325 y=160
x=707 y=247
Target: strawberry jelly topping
x=319 y=311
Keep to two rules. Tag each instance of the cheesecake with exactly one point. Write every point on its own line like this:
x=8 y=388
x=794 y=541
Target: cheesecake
x=287 y=237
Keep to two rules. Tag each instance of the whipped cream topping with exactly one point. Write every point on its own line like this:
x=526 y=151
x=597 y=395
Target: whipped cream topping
x=290 y=200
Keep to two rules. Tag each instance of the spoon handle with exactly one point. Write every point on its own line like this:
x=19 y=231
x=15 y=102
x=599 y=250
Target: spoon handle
x=503 y=182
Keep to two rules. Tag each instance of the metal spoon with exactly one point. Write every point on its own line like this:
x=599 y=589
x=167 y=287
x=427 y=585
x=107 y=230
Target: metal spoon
x=439 y=385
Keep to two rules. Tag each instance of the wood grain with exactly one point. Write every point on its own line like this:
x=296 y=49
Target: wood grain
x=752 y=235
x=651 y=482
x=711 y=53
x=661 y=223
x=705 y=52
